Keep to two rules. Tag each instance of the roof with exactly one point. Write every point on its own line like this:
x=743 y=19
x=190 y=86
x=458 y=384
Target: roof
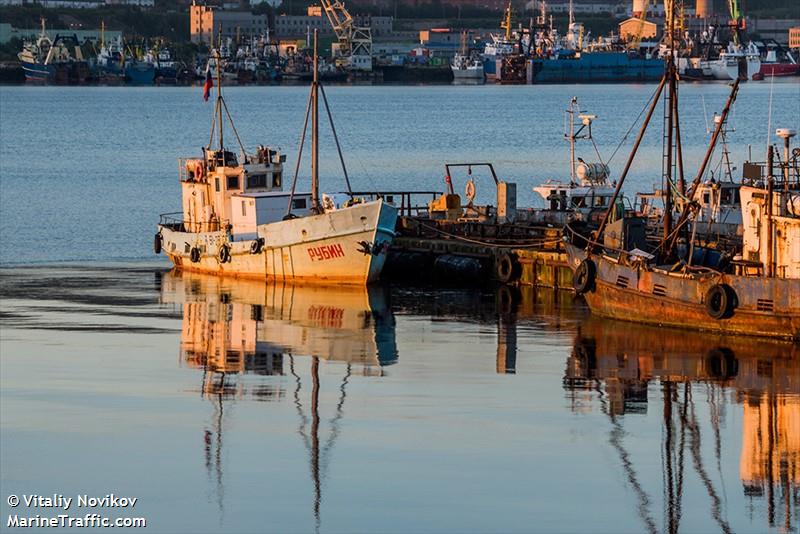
x=267 y=194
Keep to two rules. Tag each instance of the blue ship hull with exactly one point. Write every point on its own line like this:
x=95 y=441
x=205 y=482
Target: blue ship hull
x=140 y=73
x=490 y=67
x=597 y=67
x=37 y=72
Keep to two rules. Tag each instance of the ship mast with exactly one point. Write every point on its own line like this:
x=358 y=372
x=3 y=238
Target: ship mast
x=315 y=134
x=219 y=91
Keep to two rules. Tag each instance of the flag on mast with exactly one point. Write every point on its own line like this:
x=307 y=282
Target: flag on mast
x=209 y=83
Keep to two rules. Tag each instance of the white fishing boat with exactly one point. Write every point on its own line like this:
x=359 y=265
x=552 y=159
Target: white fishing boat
x=237 y=220
x=588 y=190
x=466 y=66
x=735 y=62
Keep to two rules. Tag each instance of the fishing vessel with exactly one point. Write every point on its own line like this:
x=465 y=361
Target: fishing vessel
x=736 y=62
x=680 y=283
x=51 y=60
x=237 y=220
x=166 y=69
x=500 y=47
x=777 y=61
x=466 y=67
x=589 y=189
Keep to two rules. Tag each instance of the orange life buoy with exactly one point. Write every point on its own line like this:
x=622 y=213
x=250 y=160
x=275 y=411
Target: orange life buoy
x=199 y=170
x=470 y=190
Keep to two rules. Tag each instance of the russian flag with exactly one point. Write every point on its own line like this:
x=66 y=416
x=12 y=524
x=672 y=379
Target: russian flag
x=208 y=85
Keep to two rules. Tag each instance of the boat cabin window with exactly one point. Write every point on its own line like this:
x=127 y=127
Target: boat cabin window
x=216 y=184
x=233 y=182
x=729 y=196
x=599 y=201
x=276 y=179
x=244 y=208
x=224 y=159
x=299 y=204
x=706 y=197
x=579 y=202
x=256 y=180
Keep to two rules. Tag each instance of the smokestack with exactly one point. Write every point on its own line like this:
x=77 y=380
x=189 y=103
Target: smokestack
x=703 y=9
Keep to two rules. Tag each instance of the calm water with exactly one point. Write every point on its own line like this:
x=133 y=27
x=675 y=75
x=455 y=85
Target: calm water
x=247 y=407
x=85 y=171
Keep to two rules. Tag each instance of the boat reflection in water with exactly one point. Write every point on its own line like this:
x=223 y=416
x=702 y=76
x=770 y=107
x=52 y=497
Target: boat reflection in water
x=234 y=329
x=616 y=361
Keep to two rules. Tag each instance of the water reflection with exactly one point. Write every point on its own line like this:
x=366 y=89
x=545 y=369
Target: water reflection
x=233 y=328
x=615 y=362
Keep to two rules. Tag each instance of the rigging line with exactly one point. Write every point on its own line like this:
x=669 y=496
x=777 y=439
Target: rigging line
x=596 y=151
x=769 y=111
x=336 y=139
x=233 y=127
x=213 y=128
x=633 y=125
x=299 y=157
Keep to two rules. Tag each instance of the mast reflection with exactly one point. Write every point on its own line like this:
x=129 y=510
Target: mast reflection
x=615 y=362
x=236 y=330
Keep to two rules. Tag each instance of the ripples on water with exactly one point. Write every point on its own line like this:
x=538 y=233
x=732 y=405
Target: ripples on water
x=85 y=171
x=244 y=406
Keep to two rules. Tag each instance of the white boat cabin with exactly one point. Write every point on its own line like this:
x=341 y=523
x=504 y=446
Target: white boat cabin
x=222 y=193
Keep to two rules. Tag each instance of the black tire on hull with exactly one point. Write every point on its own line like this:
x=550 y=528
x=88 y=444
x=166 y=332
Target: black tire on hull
x=583 y=279
x=508 y=268
x=721 y=300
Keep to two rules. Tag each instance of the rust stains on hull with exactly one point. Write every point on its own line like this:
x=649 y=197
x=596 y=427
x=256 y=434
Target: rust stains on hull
x=608 y=300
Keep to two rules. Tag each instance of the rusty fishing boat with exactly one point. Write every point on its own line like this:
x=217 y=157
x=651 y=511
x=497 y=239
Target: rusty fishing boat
x=237 y=219
x=680 y=282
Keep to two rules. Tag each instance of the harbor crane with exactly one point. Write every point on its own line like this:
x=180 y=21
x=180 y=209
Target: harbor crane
x=354 y=49
x=737 y=23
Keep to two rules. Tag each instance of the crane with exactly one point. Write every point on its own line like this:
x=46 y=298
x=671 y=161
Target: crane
x=737 y=23
x=354 y=49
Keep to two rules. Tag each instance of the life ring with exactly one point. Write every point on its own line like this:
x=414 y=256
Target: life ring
x=508 y=268
x=255 y=246
x=224 y=254
x=470 y=190
x=199 y=170
x=157 y=241
x=721 y=300
x=583 y=278
x=194 y=254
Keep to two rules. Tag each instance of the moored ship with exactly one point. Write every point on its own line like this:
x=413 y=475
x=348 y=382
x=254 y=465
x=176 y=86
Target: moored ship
x=51 y=60
x=679 y=282
x=238 y=221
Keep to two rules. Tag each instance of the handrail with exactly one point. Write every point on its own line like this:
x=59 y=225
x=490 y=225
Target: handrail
x=175 y=221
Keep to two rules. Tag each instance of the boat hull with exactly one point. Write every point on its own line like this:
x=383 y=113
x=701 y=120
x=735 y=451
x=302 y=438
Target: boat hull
x=651 y=297
x=597 y=67
x=779 y=69
x=37 y=72
x=325 y=249
x=467 y=74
